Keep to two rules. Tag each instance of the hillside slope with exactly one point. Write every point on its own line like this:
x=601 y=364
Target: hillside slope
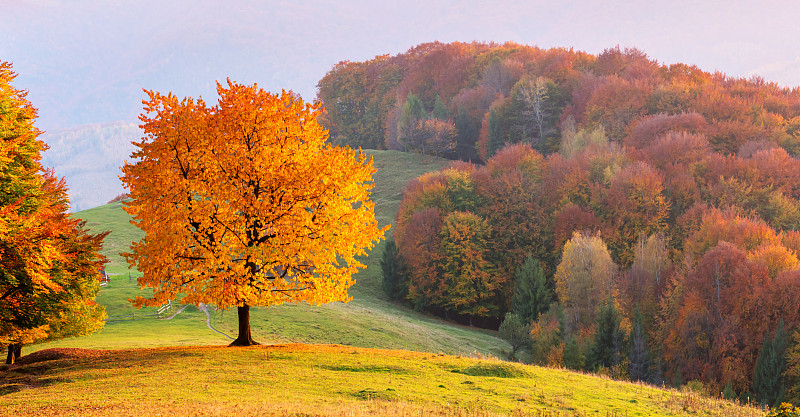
x=367 y=321
x=303 y=380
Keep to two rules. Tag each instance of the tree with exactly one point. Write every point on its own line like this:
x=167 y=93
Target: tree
x=536 y=105
x=607 y=349
x=48 y=262
x=639 y=356
x=393 y=269
x=471 y=286
x=532 y=297
x=516 y=331
x=767 y=375
x=439 y=111
x=409 y=136
x=583 y=278
x=244 y=204
x=437 y=137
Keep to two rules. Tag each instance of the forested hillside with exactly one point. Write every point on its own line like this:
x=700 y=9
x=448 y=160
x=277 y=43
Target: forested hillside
x=643 y=218
x=492 y=94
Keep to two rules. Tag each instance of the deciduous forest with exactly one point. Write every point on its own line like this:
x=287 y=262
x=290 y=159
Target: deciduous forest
x=634 y=218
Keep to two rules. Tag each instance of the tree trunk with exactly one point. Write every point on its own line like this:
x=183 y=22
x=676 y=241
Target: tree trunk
x=14 y=352
x=244 y=339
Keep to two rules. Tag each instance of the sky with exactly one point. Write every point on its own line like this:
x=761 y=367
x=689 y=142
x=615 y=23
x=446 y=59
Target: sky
x=87 y=61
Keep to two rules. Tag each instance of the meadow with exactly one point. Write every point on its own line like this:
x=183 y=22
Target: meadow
x=365 y=357
x=369 y=320
x=317 y=380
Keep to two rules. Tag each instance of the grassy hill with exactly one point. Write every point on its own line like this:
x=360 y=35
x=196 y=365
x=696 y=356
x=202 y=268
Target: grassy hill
x=367 y=321
x=140 y=364
x=307 y=380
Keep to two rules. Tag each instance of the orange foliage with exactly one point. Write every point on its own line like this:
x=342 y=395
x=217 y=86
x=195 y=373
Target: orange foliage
x=48 y=262
x=728 y=226
x=775 y=258
x=244 y=204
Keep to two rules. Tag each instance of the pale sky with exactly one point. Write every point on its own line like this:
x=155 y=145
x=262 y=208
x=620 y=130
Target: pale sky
x=86 y=61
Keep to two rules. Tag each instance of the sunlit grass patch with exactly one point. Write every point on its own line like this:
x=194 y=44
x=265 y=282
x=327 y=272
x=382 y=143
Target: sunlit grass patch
x=324 y=380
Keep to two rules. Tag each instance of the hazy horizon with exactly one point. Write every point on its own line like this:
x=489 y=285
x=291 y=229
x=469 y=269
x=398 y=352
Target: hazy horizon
x=87 y=62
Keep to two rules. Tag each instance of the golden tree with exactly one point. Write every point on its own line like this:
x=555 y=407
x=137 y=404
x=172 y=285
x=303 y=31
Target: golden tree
x=48 y=262
x=245 y=204
x=584 y=278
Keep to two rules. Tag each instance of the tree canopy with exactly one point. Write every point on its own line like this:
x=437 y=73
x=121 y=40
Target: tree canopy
x=245 y=204
x=49 y=264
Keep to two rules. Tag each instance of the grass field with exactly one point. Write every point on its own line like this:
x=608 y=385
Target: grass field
x=308 y=380
x=367 y=321
x=142 y=364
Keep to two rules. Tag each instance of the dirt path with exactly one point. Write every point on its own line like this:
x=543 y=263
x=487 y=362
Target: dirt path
x=204 y=308
x=176 y=313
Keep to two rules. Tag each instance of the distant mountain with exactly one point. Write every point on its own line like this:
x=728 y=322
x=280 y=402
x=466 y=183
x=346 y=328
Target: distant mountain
x=89 y=157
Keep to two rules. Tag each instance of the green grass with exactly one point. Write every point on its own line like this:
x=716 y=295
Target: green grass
x=308 y=380
x=369 y=320
x=195 y=375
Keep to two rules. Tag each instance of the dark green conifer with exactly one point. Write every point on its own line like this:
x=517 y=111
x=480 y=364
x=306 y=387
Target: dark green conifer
x=768 y=385
x=393 y=268
x=609 y=340
x=532 y=297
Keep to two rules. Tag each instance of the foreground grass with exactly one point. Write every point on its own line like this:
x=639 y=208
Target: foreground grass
x=315 y=380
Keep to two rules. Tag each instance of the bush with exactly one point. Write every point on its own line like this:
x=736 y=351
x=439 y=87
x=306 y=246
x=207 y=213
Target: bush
x=516 y=332
x=785 y=410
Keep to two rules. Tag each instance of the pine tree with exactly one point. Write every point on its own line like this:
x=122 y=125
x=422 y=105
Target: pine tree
x=516 y=332
x=393 y=269
x=532 y=297
x=408 y=132
x=639 y=367
x=767 y=382
x=439 y=109
x=468 y=130
x=609 y=339
x=496 y=135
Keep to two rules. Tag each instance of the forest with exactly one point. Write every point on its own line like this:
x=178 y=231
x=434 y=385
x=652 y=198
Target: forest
x=610 y=213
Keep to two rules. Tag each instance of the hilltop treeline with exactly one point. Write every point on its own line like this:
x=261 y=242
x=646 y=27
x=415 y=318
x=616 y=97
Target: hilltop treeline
x=642 y=218
x=466 y=100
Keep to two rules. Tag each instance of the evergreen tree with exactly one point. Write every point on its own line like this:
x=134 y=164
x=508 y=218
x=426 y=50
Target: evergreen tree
x=574 y=355
x=609 y=339
x=639 y=367
x=728 y=393
x=767 y=382
x=408 y=126
x=393 y=269
x=439 y=109
x=468 y=130
x=532 y=297
x=497 y=136
x=516 y=332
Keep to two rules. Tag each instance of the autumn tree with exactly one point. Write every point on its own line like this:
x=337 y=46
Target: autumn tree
x=244 y=204
x=436 y=136
x=584 y=278
x=48 y=262
x=637 y=288
x=471 y=284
